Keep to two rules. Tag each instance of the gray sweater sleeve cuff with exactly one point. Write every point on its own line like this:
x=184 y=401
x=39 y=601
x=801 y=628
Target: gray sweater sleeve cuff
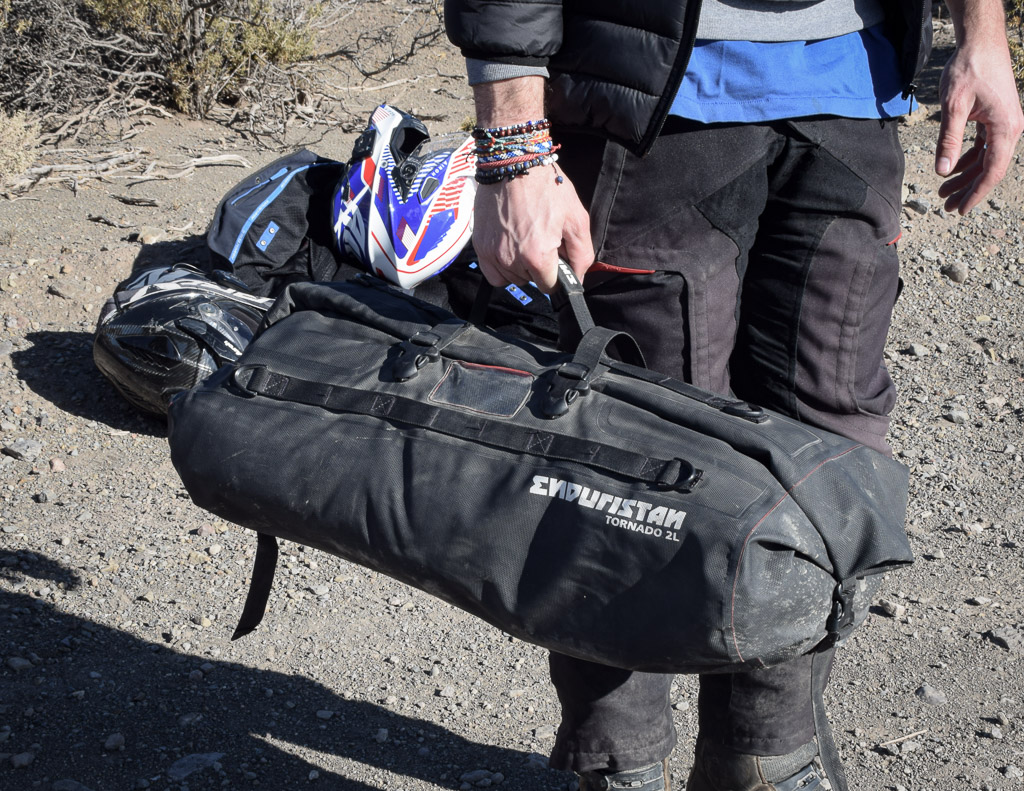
x=481 y=71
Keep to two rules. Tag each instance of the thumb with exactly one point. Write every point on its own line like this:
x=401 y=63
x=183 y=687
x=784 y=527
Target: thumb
x=951 y=135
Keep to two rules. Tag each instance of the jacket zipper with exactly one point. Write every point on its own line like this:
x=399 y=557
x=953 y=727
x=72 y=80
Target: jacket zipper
x=675 y=78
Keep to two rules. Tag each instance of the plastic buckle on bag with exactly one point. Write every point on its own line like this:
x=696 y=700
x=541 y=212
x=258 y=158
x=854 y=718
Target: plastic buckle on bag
x=414 y=353
x=680 y=476
x=242 y=376
x=571 y=380
x=840 y=620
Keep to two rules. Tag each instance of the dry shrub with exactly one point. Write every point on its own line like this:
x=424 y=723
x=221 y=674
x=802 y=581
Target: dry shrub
x=1015 y=35
x=72 y=62
x=19 y=134
x=60 y=56
x=213 y=50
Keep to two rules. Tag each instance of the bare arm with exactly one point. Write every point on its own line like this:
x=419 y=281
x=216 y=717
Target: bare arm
x=977 y=85
x=523 y=226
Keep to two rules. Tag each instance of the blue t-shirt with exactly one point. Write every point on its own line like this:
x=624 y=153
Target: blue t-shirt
x=852 y=76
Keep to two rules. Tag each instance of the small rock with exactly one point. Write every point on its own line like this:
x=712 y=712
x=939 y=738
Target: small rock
x=956 y=271
x=447 y=692
x=1012 y=772
x=324 y=714
x=933 y=696
x=892 y=609
x=920 y=205
x=206 y=530
x=23 y=449
x=149 y=235
x=57 y=465
x=147 y=596
x=115 y=741
x=979 y=601
x=196 y=675
x=313 y=775
x=17 y=663
x=183 y=767
x=956 y=416
x=215 y=549
x=21 y=760
x=381 y=736
x=544 y=732
x=536 y=761
x=68 y=785
x=918 y=350
x=1005 y=637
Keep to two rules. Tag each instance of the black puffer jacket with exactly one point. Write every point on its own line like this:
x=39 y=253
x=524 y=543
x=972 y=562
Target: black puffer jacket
x=616 y=66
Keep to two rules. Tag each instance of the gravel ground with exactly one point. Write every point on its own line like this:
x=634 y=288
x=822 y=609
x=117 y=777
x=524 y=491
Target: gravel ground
x=118 y=596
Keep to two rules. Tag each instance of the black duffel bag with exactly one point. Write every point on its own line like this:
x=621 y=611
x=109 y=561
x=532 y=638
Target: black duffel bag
x=580 y=503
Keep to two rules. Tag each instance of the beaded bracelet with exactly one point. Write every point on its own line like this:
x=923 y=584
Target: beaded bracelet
x=508 y=172
x=505 y=152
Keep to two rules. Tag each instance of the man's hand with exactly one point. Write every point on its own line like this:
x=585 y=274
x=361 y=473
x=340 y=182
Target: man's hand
x=977 y=85
x=521 y=227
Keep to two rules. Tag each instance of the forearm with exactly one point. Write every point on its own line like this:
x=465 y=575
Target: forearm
x=508 y=102
x=978 y=22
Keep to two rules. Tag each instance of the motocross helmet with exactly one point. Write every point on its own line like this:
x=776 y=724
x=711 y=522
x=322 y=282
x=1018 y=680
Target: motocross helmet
x=404 y=209
x=168 y=329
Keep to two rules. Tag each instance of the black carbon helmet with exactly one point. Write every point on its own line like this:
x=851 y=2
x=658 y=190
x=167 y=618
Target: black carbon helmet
x=168 y=329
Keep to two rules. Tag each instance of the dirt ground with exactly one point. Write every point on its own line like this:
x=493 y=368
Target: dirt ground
x=118 y=596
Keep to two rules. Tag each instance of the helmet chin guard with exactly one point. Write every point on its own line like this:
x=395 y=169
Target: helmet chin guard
x=404 y=210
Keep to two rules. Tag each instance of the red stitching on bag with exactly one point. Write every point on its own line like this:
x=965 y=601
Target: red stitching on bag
x=743 y=549
x=465 y=364
x=898 y=236
x=601 y=266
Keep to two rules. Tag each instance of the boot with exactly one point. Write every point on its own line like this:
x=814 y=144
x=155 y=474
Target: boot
x=718 y=768
x=649 y=778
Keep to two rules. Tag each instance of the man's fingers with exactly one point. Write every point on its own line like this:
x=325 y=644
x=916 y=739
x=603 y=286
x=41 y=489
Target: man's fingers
x=960 y=182
x=994 y=163
x=578 y=249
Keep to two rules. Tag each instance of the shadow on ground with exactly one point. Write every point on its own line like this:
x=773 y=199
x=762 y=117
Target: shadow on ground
x=79 y=682
x=58 y=367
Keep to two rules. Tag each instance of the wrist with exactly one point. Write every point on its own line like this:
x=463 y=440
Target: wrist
x=509 y=102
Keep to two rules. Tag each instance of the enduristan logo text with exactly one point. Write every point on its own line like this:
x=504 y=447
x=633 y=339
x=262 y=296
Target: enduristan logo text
x=636 y=515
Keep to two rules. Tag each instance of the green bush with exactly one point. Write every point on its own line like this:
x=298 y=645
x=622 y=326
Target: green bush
x=210 y=51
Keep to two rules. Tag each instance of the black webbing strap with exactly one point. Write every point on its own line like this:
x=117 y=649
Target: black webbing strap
x=668 y=473
x=482 y=301
x=573 y=289
x=821 y=665
x=259 y=585
x=595 y=341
